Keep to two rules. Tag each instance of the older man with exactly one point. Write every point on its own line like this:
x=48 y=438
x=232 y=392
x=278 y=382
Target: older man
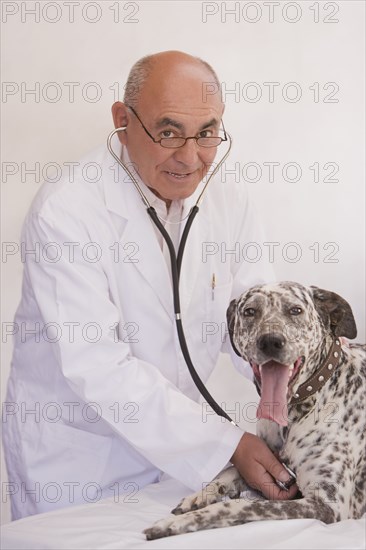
x=100 y=401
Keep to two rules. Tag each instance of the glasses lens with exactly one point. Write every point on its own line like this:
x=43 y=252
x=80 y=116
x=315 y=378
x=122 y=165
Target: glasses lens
x=172 y=142
x=209 y=141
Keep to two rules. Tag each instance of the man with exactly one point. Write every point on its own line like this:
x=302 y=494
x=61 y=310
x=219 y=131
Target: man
x=100 y=400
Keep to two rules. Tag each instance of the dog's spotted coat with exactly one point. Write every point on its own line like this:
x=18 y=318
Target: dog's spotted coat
x=323 y=437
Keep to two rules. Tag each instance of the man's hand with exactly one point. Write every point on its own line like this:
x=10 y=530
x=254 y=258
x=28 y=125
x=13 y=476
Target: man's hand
x=260 y=468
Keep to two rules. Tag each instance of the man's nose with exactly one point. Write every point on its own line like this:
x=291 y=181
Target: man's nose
x=188 y=153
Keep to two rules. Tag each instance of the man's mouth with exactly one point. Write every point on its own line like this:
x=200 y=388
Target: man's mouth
x=275 y=380
x=178 y=175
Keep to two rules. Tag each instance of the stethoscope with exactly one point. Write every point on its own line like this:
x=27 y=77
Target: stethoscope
x=176 y=264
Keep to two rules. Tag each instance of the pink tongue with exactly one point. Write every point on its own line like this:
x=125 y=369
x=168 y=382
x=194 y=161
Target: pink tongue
x=273 y=402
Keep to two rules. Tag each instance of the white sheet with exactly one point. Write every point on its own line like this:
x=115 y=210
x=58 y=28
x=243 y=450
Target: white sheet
x=107 y=524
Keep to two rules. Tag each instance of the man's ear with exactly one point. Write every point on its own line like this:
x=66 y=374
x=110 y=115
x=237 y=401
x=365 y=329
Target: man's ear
x=231 y=320
x=335 y=312
x=120 y=119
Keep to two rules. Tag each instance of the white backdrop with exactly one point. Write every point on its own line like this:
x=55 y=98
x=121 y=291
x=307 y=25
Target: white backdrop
x=292 y=74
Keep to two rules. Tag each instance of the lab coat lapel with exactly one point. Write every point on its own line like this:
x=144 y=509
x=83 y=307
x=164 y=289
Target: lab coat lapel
x=150 y=259
x=192 y=264
x=136 y=232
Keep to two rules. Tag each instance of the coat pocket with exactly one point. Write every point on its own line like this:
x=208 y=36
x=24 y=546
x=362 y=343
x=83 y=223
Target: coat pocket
x=214 y=329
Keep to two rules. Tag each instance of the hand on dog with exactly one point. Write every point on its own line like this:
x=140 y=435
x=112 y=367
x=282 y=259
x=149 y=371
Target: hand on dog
x=260 y=468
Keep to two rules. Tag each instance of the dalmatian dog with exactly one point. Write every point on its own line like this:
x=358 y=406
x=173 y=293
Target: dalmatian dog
x=311 y=411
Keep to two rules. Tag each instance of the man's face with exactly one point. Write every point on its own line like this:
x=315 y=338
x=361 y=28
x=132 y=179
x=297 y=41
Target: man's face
x=172 y=104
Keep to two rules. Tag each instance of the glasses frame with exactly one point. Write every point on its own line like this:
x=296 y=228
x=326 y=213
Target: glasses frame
x=225 y=138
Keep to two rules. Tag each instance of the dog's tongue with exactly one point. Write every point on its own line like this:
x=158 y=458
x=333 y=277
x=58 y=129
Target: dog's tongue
x=273 y=402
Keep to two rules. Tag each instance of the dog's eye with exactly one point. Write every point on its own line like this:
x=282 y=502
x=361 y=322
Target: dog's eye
x=249 y=312
x=295 y=310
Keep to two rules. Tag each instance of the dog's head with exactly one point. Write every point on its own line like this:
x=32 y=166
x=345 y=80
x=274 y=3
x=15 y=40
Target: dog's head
x=280 y=330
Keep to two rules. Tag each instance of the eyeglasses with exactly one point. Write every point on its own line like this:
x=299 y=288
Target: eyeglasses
x=175 y=142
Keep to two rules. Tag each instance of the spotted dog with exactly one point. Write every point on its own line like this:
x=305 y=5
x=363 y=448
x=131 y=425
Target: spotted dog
x=311 y=411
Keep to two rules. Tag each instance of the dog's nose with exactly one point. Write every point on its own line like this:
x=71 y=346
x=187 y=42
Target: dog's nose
x=271 y=343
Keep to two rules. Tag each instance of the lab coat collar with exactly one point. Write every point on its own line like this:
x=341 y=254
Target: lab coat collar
x=122 y=198
x=119 y=191
x=118 y=186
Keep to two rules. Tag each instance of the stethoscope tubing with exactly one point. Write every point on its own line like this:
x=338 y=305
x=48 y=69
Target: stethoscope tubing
x=176 y=264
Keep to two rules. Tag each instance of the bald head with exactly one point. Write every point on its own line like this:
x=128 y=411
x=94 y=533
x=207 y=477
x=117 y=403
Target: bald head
x=164 y=67
x=166 y=93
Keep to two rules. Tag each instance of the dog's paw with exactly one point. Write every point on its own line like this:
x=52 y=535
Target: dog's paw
x=209 y=495
x=188 y=504
x=159 y=529
x=168 y=527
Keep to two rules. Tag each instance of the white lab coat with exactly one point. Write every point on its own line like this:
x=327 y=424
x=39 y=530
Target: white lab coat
x=100 y=401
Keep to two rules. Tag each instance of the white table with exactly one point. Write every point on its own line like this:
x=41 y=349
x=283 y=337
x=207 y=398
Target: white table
x=108 y=524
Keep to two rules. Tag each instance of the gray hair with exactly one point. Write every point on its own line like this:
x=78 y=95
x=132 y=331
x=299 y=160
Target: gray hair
x=141 y=71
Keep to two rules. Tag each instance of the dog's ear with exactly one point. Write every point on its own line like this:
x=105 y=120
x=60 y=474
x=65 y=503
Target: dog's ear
x=231 y=320
x=335 y=312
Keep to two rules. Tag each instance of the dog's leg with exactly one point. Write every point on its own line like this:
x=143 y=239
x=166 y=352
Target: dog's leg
x=271 y=433
x=358 y=505
x=227 y=483
x=226 y=514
